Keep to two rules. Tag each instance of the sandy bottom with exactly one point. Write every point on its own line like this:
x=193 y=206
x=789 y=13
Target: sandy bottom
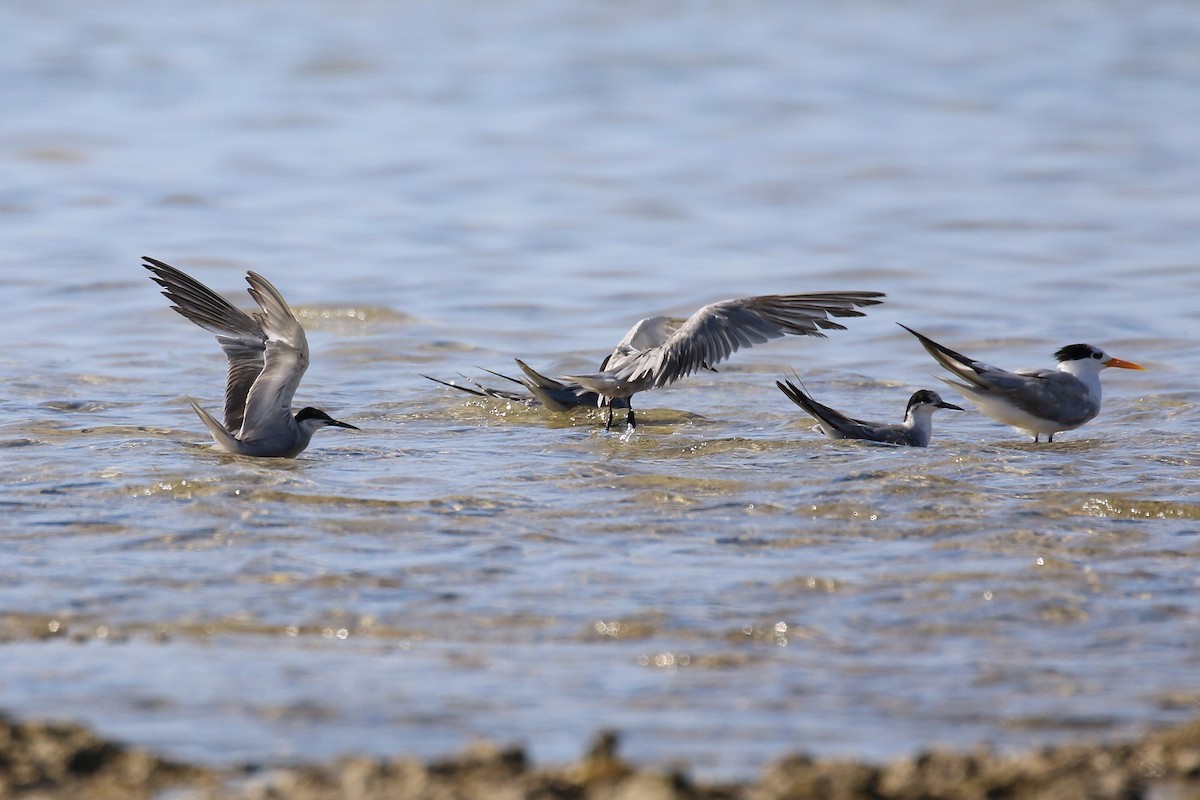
x=67 y=761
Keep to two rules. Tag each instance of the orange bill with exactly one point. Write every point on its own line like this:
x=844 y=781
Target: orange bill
x=1123 y=364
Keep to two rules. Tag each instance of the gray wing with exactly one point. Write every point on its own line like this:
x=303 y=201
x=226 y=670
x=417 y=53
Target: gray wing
x=239 y=334
x=845 y=427
x=718 y=330
x=285 y=360
x=1046 y=393
x=649 y=332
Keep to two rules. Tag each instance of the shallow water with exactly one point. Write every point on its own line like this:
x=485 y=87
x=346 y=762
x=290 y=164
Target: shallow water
x=439 y=187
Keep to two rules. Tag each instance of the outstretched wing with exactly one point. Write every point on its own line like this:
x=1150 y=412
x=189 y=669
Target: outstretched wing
x=718 y=330
x=649 y=332
x=285 y=360
x=240 y=335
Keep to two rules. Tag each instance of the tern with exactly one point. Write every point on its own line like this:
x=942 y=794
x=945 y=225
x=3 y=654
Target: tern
x=915 y=430
x=562 y=396
x=268 y=354
x=1040 y=401
x=658 y=351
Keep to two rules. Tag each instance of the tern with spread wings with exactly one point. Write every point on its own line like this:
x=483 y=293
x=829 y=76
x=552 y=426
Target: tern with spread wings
x=660 y=350
x=268 y=354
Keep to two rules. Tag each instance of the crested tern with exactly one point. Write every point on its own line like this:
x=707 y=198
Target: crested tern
x=268 y=354
x=658 y=351
x=915 y=430
x=1039 y=401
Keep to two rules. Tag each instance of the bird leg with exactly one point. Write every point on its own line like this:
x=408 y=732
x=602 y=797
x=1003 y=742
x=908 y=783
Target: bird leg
x=608 y=424
x=629 y=418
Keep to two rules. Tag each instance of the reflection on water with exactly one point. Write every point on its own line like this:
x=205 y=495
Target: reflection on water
x=442 y=187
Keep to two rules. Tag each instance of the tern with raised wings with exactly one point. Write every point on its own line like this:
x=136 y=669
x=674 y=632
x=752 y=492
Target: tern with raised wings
x=267 y=353
x=658 y=351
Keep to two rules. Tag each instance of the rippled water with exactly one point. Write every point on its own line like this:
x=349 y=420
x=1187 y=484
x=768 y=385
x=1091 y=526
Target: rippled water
x=441 y=186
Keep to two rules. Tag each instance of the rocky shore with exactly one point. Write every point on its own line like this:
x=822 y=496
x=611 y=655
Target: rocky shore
x=53 y=761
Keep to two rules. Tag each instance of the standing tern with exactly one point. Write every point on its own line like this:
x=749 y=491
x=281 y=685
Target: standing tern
x=915 y=430
x=1034 y=400
x=268 y=354
x=660 y=350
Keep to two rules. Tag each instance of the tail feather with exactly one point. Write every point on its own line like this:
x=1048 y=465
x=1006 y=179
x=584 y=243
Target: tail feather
x=968 y=391
x=222 y=437
x=822 y=413
x=502 y=376
x=537 y=378
x=545 y=389
x=466 y=389
x=480 y=390
x=602 y=383
x=963 y=366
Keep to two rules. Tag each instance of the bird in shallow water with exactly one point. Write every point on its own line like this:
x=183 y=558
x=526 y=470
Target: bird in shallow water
x=1040 y=401
x=268 y=354
x=915 y=430
x=658 y=351
x=542 y=391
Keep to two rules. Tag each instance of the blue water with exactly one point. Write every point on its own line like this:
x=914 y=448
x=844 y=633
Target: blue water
x=439 y=187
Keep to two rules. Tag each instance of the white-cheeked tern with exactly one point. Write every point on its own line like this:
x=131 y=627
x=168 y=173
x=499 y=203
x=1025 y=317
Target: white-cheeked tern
x=915 y=430
x=268 y=354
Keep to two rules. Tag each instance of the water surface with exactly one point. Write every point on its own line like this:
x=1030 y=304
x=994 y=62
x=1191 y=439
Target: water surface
x=440 y=187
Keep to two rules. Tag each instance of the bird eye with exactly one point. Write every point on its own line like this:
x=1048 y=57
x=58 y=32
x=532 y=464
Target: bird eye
x=1096 y=355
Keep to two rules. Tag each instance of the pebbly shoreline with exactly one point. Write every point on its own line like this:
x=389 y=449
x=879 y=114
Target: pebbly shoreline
x=50 y=761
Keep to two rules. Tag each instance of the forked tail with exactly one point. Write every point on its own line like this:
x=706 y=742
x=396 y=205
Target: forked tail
x=223 y=438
